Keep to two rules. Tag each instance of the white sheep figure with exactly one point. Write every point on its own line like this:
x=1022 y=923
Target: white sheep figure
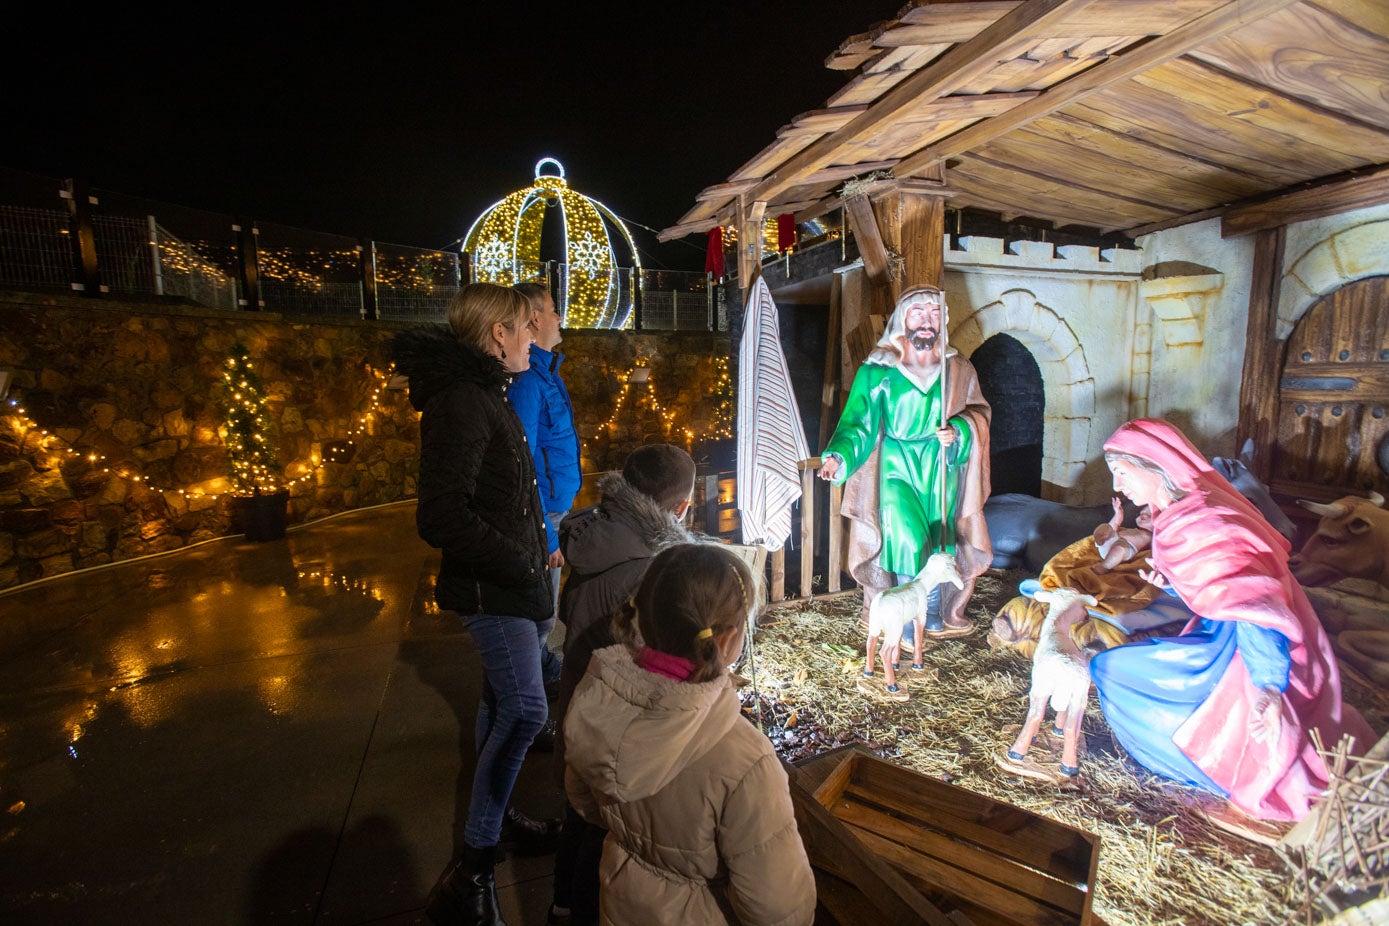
x=889 y=613
x=1060 y=675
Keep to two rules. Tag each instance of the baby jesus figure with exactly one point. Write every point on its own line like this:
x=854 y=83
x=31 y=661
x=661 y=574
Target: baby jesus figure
x=1118 y=544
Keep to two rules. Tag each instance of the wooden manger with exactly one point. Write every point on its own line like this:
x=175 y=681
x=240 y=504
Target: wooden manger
x=972 y=859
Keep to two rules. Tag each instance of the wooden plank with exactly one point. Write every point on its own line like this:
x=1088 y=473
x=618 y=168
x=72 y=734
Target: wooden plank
x=958 y=22
x=1175 y=177
x=991 y=866
x=926 y=874
x=820 y=121
x=772 y=156
x=1014 y=188
x=1318 y=57
x=1361 y=189
x=1228 y=17
x=829 y=846
x=906 y=57
x=829 y=389
x=864 y=89
x=915 y=224
x=1224 y=183
x=1371 y=16
x=1164 y=121
x=1061 y=851
x=1347 y=143
x=831 y=788
x=1258 y=392
x=1046 y=63
x=956 y=67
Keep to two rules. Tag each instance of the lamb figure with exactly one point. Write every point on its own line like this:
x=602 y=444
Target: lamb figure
x=889 y=613
x=1060 y=675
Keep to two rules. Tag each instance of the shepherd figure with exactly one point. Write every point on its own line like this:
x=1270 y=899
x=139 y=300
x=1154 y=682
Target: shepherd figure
x=912 y=448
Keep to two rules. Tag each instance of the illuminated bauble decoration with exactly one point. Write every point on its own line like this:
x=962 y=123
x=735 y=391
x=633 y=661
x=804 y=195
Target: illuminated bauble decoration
x=505 y=246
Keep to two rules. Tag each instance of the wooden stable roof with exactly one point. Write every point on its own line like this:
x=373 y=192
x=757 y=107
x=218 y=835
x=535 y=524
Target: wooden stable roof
x=1117 y=115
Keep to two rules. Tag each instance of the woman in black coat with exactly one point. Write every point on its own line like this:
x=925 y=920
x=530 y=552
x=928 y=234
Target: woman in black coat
x=478 y=503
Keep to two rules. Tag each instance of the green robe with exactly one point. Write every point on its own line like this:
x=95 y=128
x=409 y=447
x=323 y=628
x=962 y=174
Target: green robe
x=885 y=400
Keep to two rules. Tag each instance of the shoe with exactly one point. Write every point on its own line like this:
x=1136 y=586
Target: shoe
x=557 y=919
x=466 y=893
x=527 y=836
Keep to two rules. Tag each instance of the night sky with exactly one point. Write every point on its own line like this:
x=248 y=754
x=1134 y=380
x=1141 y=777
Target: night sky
x=402 y=125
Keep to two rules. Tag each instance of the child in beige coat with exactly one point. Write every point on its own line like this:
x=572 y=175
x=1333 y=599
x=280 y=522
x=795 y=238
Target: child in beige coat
x=701 y=827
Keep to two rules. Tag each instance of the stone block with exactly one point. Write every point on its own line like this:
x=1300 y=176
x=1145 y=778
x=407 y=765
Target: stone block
x=1067 y=439
x=45 y=488
x=978 y=246
x=1317 y=270
x=56 y=565
x=1034 y=252
x=43 y=543
x=6 y=547
x=1083 y=256
x=1360 y=250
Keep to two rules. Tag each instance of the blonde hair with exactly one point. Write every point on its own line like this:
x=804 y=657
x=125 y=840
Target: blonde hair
x=475 y=308
x=691 y=592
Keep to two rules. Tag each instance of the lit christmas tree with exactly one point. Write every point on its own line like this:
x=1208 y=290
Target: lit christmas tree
x=250 y=449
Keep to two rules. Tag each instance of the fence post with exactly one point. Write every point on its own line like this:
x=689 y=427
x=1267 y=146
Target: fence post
x=709 y=299
x=155 y=263
x=83 y=234
x=366 y=262
x=808 y=481
x=638 y=303
x=248 y=266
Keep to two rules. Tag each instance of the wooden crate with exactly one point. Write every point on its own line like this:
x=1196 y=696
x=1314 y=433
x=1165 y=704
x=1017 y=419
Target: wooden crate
x=982 y=860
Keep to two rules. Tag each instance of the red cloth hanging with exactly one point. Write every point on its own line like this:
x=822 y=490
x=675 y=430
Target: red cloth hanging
x=713 y=257
x=785 y=232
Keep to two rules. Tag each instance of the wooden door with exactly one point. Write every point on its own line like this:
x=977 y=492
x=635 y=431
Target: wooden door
x=1333 y=434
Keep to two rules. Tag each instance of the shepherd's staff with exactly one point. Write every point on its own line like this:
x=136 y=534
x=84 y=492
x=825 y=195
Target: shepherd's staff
x=941 y=490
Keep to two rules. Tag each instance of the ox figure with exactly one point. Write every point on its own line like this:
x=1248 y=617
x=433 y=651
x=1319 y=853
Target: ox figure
x=1351 y=542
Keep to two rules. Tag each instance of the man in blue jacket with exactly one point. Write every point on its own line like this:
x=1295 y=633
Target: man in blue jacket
x=542 y=403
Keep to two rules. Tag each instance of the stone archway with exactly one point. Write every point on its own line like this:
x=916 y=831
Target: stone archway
x=1066 y=381
x=1348 y=255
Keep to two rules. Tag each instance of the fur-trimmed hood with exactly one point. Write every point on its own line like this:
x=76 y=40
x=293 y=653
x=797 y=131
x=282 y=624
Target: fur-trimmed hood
x=627 y=524
x=434 y=359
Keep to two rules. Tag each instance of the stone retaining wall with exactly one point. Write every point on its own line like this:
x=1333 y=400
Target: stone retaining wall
x=141 y=386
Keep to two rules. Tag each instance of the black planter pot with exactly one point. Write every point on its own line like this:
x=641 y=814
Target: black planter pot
x=261 y=517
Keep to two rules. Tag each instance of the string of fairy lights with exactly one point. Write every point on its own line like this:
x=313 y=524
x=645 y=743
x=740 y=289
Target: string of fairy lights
x=640 y=375
x=317 y=270
x=265 y=480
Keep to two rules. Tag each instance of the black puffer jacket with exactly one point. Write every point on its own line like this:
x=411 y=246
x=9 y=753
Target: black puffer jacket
x=477 y=495
x=608 y=548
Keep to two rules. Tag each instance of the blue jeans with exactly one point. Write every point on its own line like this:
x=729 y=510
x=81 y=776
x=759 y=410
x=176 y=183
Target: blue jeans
x=512 y=711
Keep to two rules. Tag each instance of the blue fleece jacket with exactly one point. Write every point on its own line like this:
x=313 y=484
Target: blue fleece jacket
x=542 y=403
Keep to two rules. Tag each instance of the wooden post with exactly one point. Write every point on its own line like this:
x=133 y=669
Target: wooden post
x=711 y=504
x=779 y=575
x=1258 y=393
x=876 y=263
x=834 y=339
x=911 y=219
x=808 y=481
x=749 y=243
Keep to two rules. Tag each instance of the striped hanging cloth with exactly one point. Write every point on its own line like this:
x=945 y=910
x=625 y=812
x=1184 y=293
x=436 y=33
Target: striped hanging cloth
x=771 y=439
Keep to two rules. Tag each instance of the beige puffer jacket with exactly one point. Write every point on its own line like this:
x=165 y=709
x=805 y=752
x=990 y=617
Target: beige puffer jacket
x=701 y=828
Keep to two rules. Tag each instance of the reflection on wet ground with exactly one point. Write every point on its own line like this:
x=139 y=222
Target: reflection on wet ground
x=241 y=731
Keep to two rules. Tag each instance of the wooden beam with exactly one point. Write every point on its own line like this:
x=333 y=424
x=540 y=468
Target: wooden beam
x=942 y=77
x=1118 y=68
x=750 y=214
x=1364 y=188
x=870 y=240
x=1258 y=391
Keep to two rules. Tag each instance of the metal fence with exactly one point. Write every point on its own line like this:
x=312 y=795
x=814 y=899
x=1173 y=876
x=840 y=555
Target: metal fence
x=135 y=247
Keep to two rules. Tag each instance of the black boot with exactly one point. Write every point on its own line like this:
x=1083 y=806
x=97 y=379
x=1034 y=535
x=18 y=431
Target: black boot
x=527 y=836
x=466 y=893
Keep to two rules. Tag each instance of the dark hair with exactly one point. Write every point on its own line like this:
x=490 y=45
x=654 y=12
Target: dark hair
x=687 y=589
x=662 y=471
x=533 y=292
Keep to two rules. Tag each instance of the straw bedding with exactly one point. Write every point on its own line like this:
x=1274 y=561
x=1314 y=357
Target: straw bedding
x=1161 y=861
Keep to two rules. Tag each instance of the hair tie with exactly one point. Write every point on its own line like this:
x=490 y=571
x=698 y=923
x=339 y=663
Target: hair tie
x=705 y=634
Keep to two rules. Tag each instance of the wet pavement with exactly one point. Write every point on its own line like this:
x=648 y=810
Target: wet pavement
x=243 y=733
